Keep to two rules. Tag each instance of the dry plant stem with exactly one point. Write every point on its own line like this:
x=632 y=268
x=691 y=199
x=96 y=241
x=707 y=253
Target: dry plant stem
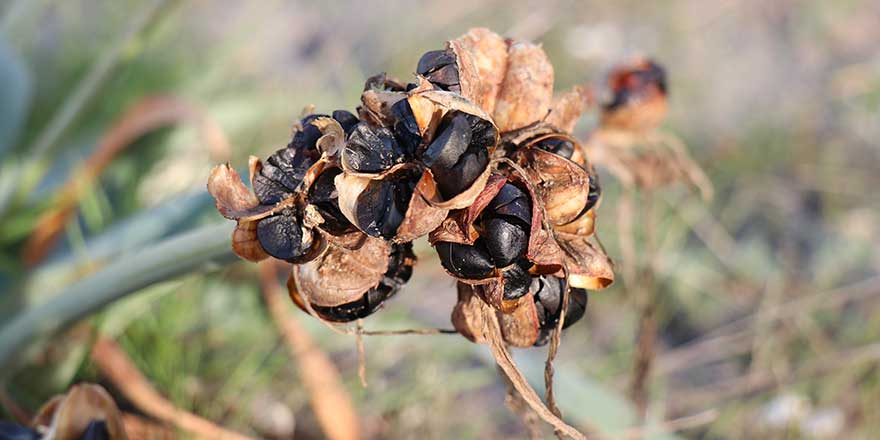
x=329 y=399
x=362 y=354
x=555 y=340
x=519 y=382
x=679 y=424
x=137 y=427
x=646 y=298
x=515 y=403
x=113 y=363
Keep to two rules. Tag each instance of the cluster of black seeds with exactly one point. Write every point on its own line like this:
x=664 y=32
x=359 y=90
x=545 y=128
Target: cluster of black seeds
x=441 y=69
x=504 y=227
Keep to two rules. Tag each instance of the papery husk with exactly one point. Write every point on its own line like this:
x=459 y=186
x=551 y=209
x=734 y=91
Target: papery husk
x=519 y=327
x=458 y=227
x=588 y=266
x=482 y=63
x=245 y=243
x=562 y=186
x=567 y=108
x=232 y=198
x=68 y=416
x=331 y=143
x=527 y=90
x=341 y=275
x=376 y=107
x=583 y=226
x=422 y=216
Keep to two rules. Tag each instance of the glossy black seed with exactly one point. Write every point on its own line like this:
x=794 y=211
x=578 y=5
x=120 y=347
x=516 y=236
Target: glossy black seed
x=465 y=261
x=594 y=193
x=406 y=129
x=11 y=431
x=281 y=236
x=325 y=197
x=460 y=177
x=400 y=265
x=268 y=191
x=382 y=206
x=561 y=147
x=483 y=132
x=96 y=430
x=452 y=141
x=346 y=119
x=506 y=240
x=446 y=77
x=516 y=281
x=309 y=134
x=511 y=202
x=371 y=150
x=434 y=60
x=577 y=306
x=411 y=86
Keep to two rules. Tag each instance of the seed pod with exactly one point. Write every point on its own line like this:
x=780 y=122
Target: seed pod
x=86 y=412
x=527 y=90
x=638 y=101
x=399 y=271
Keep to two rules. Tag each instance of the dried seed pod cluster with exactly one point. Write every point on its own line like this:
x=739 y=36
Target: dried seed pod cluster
x=476 y=154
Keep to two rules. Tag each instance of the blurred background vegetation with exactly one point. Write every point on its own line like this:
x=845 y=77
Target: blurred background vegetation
x=770 y=293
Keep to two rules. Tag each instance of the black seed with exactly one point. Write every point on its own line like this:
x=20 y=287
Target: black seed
x=324 y=196
x=516 y=281
x=446 y=77
x=399 y=265
x=483 y=132
x=446 y=149
x=382 y=205
x=346 y=119
x=281 y=236
x=577 y=306
x=434 y=60
x=96 y=430
x=594 y=193
x=411 y=86
x=461 y=176
x=464 y=261
x=308 y=136
x=268 y=191
x=372 y=207
x=505 y=240
x=511 y=202
x=558 y=146
x=371 y=150
x=406 y=129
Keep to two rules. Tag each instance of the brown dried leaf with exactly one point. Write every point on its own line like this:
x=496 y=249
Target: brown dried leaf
x=341 y=275
x=588 y=266
x=333 y=140
x=245 y=243
x=231 y=196
x=70 y=415
x=562 y=186
x=568 y=108
x=482 y=64
x=421 y=216
x=527 y=89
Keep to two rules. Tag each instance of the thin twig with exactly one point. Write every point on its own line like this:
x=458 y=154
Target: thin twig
x=362 y=354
